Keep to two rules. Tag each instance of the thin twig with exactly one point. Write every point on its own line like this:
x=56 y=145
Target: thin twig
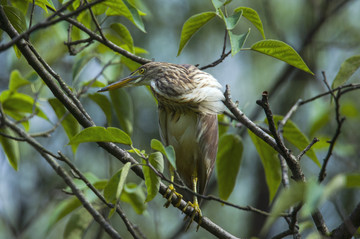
x=283 y=234
x=48 y=132
x=315 y=140
x=32 y=13
x=96 y=22
x=222 y=57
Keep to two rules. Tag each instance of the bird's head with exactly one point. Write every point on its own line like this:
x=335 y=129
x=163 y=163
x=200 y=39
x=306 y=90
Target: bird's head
x=142 y=76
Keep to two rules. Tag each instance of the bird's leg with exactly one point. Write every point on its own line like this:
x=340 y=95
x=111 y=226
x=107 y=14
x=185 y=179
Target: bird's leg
x=170 y=191
x=195 y=206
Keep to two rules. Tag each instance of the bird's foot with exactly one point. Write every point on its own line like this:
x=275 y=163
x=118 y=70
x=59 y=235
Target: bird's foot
x=170 y=192
x=196 y=209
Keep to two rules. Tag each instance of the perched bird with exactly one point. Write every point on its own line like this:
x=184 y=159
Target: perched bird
x=188 y=102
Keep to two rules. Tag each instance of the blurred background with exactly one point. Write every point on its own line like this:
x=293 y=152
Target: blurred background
x=324 y=32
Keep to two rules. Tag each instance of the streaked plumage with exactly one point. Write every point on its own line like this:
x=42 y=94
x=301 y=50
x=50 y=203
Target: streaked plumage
x=188 y=102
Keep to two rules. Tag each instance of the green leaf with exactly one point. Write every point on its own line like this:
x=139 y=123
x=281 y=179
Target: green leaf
x=44 y=4
x=103 y=102
x=347 y=69
x=223 y=124
x=123 y=106
x=124 y=35
x=16 y=18
x=10 y=147
x=321 y=119
x=136 y=16
x=20 y=103
x=192 y=25
x=251 y=15
x=114 y=187
x=217 y=4
x=282 y=51
x=170 y=155
x=19 y=4
x=168 y=151
x=228 y=163
x=287 y=198
x=134 y=195
x=231 y=21
x=77 y=224
x=80 y=184
x=152 y=181
x=17 y=80
x=123 y=8
x=69 y=123
x=270 y=162
x=294 y=135
x=237 y=41
x=101 y=134
x=352 y=180
x=62 y=209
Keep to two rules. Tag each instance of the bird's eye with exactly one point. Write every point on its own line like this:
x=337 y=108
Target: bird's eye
x=142 y=71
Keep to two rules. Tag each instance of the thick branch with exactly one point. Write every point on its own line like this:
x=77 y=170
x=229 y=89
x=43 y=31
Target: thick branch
x=349 y=227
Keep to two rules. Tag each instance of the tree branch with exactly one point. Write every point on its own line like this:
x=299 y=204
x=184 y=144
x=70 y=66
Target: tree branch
x=349 y=227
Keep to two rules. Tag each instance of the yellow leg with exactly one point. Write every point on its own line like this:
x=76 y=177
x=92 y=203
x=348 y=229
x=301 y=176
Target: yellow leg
x=195 y=206
x=170 y=191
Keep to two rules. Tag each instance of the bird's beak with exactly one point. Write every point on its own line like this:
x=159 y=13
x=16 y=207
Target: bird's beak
x=121 y=83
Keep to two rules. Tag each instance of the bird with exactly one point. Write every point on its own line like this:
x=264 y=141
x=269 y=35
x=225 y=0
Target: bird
x=189 y=101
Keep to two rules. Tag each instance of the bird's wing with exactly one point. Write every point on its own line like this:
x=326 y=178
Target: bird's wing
x=208 y=144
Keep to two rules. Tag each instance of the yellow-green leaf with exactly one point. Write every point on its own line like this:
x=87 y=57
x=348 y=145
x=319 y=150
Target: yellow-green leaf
x=69 y=123
x=135 y=196
x=347 y=69
x=168 y=151
x=282 y=51
x=231 y=21
x=77 y=224
x=123 y=106
x=17 y=80
x=251 y=15
x=237 y=41
x=114 y=187
x=270 y=162
x=103 y=102
x=16 y=102
x=123 y=8
x=294 y=135
x=101 y=134
x=152 y=181
x=10 y=147
x=123 y=34
x=192 y=25
x=352 y=180
x=228 y=163
x=16 y=17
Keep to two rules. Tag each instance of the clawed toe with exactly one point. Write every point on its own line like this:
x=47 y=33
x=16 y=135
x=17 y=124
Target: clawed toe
x=196 y=209
x=170 y=192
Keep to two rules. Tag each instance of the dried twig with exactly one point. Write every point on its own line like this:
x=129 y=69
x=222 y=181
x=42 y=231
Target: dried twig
x=222 y=57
